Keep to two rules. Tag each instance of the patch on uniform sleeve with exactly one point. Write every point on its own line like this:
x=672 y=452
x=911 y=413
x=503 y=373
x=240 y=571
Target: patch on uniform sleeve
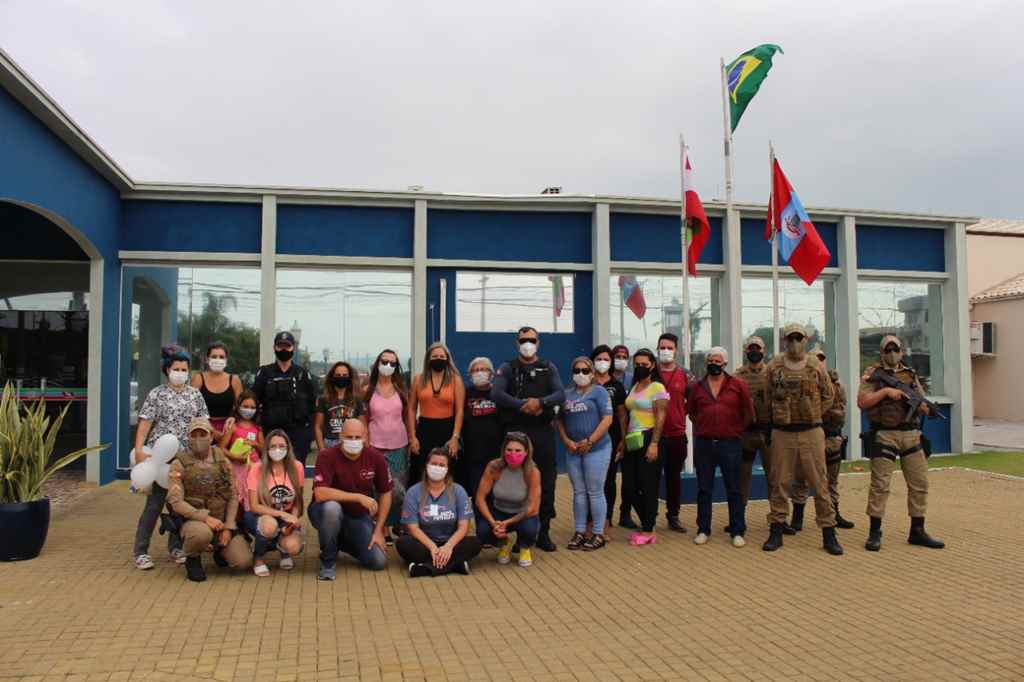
x=318 y=478
x=500 y=371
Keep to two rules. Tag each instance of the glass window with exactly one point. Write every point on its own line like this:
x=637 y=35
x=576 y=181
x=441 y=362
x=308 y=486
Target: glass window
x=812 y=306
x=911 y=311
x=506 y=301
x=663 y=312
x=346 y=315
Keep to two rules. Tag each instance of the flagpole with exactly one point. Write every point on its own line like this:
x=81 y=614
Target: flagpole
x=775 y=251
x=727 y=127
x=622 y=313
x=685 y=239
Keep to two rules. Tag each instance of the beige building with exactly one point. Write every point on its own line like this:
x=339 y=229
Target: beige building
x=995 y=277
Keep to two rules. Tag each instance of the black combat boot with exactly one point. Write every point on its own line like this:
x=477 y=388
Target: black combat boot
x=797 y=524
x=194 y=569
x=830 y=542
x=774 y=540
x=675 y=524
x=918 y=536
x=788 y=529
x=544 y=542
x=874 y=542
x=845 y=524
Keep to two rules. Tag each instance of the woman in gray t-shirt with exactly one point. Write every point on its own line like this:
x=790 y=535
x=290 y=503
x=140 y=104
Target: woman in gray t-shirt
x=513 y=482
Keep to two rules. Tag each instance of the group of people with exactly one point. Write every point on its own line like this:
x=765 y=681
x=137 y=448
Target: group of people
x=418 y=462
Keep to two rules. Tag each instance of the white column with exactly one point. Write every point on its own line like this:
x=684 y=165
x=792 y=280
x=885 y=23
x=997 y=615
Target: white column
x=956 y=340
x=268 y=279
x=93 y=406
x=600 y=241
x=731 y=288
x=419 y=283
x=847 y=343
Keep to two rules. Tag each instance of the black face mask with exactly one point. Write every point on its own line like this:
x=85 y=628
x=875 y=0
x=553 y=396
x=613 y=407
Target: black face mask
x=341 y=382
x=438 y=364
x=715 y=370
x=641 y=373
x=755 y=356
x=284 y=355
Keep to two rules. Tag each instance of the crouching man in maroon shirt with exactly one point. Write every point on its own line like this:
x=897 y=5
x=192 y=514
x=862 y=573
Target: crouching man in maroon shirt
x=720 y=409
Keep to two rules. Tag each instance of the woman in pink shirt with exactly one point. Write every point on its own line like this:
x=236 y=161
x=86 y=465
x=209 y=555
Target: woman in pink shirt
x=386 y=403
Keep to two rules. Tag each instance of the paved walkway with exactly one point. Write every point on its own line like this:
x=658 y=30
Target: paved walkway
x=670 y=611
x=993 y=434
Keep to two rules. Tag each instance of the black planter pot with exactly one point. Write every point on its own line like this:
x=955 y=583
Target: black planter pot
x=23 y=528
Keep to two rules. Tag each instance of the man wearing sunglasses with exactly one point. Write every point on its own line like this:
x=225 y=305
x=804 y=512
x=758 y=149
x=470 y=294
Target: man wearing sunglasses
x=287 y=393
x=528 y=390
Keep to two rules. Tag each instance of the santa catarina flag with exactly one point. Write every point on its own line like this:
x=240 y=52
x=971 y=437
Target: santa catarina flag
x=743 y=78
x=696 y=220
x=557 y=294
x=800 y=245
x=633 y=295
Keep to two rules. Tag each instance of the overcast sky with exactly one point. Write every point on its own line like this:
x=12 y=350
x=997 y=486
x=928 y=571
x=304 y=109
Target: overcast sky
x=908 y=105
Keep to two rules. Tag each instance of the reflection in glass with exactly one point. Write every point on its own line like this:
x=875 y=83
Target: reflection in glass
x=812 y=306
x=504 y=302
x=911 y=311
x=663 y=295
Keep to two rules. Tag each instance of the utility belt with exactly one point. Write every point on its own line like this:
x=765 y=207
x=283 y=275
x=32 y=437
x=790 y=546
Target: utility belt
x=796 y=428
x=833 y=433
x=875 y=426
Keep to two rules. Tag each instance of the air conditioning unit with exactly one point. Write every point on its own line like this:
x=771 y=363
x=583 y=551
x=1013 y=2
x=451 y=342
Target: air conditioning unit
x=983 y=338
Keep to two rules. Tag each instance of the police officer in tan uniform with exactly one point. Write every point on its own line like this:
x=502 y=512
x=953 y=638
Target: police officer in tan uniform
x=799 y=394
x=835 y=451
x=757 y=436
x=895 y=436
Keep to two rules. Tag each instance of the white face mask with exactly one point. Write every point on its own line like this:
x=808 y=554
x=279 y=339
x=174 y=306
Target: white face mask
x=581 y=380
x=602 y=366
x=353 y=446
x=528 y=350
x=217 y=364
x=480 y=379
x=277 y=454
x=666 y=356
x=247 y=412
x=385 y=370
x=178 y=377
x=436 y=472
x=621 y=364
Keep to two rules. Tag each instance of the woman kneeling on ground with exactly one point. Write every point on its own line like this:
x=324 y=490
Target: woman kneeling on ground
x=436 y=515
x=513 y=481
x=276 y=505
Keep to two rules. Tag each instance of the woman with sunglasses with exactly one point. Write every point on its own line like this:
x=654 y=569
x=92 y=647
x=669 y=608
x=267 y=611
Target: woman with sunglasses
x=647 y=404
x=386 y=402
x=583 y=426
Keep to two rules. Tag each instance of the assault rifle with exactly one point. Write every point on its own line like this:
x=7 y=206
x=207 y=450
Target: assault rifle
x=911 y=393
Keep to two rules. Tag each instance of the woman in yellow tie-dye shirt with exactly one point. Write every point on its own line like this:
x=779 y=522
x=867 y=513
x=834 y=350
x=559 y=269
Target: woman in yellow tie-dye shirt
x=647 y=404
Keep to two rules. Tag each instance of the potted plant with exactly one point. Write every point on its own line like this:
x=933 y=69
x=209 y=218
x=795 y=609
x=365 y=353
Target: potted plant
x=27 y=437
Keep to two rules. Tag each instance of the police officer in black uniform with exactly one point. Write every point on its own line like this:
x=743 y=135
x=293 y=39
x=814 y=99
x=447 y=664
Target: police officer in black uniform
x=528 y=391
x=287 y=395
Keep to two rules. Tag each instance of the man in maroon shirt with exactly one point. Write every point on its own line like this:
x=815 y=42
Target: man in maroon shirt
x=345 y=512
x=720 y=408
x=672 y=446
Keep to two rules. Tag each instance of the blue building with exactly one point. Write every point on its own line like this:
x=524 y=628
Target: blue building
x=100 y=270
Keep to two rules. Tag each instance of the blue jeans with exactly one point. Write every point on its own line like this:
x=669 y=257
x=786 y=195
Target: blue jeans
x=726 y=454
x=351 y=534
x=526 y=530
x=261 y=544
x=587 y=473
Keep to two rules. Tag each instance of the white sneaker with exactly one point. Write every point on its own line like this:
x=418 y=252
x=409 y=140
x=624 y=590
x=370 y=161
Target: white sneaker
x=738 y=541
x=701 y=539
x=178 y=556
x=287 y=563
x=143 y=562
x=261 y=570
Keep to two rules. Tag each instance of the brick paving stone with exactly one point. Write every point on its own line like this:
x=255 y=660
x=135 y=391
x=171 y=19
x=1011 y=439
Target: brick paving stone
x=668 y=611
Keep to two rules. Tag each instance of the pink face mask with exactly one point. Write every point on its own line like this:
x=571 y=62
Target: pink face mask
x=514 y=459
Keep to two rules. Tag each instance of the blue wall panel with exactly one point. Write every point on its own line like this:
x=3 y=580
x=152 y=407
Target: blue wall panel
x=653 y=238
x=36 y=167
x=344 y=231
x=509 y=235
x=191 y=226
x=901 y=248
x=756 y=250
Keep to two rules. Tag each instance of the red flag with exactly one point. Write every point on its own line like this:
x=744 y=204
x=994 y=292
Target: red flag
x=633 y=295
x=800 y=245
x=696 y=219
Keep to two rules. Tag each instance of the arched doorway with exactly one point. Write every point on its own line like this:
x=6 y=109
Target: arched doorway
x=51 y=295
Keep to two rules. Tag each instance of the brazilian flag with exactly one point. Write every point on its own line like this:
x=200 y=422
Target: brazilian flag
x=743 y=77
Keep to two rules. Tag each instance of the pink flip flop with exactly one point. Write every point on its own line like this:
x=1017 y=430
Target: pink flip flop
x=638 y=539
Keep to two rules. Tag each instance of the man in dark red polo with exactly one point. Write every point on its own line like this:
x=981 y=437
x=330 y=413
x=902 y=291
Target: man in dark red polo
x=672 y=446
x=720 y=409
